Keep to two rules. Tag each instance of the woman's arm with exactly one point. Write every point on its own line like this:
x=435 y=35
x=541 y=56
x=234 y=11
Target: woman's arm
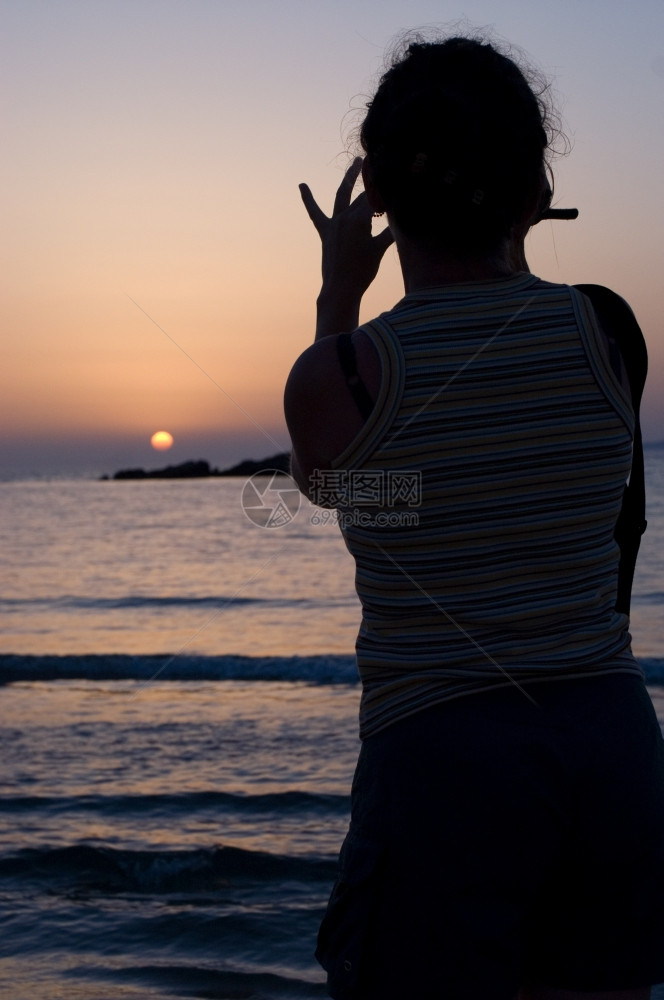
x=321 y=414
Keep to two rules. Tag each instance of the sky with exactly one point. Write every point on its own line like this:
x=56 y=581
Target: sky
x=159 y=271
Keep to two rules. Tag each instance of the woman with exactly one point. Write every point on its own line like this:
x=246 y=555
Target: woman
x=507 y=832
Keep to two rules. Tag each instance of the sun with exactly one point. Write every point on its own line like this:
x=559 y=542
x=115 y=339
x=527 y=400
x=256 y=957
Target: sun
x=161 y=440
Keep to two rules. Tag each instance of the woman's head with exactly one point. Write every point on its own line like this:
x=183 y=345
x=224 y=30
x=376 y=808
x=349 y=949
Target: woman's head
x=455 y=139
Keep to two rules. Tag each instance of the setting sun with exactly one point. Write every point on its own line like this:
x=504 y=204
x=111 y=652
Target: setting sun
x=161 y=440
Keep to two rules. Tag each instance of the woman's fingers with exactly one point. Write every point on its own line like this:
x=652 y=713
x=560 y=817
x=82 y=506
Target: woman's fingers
x=384 y=240
x=351 y=254
x=345 y=190
x=317 y=216
x=341 y=202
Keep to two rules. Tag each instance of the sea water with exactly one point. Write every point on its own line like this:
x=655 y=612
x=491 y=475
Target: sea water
x=178 y=731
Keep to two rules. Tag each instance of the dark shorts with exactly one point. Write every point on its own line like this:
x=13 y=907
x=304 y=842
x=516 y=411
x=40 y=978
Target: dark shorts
x=496 y=843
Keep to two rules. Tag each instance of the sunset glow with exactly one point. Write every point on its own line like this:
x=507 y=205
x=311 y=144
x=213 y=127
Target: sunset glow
x=161 y=260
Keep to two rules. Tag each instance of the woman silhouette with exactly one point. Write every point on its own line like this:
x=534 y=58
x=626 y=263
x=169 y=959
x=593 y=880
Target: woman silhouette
x=507 y=826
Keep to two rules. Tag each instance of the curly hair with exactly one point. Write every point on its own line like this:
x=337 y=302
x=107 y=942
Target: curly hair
x=457 y=137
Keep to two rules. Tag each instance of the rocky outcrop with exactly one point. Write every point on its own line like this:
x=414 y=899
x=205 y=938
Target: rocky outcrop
x=201 y=469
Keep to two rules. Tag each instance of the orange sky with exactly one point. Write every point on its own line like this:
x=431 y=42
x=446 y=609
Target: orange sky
x=155 y=149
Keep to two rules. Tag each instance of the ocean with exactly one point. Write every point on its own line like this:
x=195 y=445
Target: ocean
x=178 y=733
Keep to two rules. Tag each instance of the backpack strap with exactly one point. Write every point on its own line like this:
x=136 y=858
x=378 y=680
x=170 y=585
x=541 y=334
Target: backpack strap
x=631 y=521
x=348 y=363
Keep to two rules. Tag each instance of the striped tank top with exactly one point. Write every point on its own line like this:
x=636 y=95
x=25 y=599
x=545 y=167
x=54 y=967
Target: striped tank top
x=480 y=497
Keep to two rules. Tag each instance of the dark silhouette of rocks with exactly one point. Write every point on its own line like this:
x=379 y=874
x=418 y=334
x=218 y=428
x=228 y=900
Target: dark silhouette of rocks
x=187 y=470
x=279 y=462
x=201 y=469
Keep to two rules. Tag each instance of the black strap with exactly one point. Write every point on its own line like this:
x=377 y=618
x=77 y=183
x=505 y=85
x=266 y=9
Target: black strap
x=348 y=364
x=631 y=521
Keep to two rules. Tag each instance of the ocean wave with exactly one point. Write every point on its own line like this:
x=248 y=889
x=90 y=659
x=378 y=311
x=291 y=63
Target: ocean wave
x=109 y=870
x=272 y=803
x=653 y=667
x=648 y=597
x=82 y=602
x=210 y=983
x=332 y=669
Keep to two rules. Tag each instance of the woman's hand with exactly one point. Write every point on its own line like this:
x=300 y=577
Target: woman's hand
x=351 y=255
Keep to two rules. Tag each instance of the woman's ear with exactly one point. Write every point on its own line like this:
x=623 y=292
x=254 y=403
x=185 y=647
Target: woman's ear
x=538 y=202
x=375 y=200
x=541 y=199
